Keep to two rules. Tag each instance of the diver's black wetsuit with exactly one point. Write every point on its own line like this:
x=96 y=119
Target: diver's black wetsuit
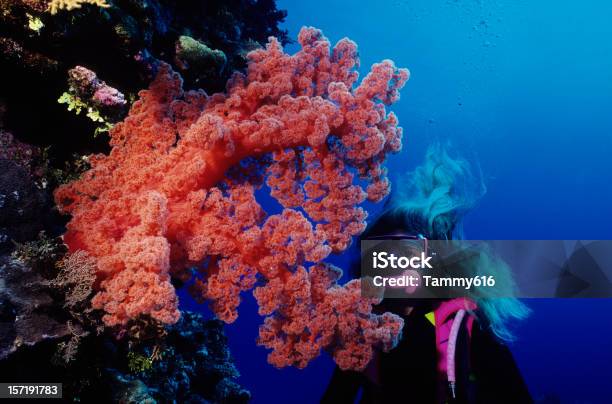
x=407 y=374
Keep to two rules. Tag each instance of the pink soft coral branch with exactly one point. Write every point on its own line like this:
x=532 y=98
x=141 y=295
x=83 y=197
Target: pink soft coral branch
x=177 y=192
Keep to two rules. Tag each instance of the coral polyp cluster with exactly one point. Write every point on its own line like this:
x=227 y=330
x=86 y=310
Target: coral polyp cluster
x=176 y=198
x=57 y=5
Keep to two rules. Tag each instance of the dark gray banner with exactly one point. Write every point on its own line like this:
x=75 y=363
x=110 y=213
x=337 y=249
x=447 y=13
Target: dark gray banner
x=494 y=268
x=30 y=390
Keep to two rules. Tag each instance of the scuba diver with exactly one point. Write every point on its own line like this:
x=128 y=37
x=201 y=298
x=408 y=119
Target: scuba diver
x=452 y=350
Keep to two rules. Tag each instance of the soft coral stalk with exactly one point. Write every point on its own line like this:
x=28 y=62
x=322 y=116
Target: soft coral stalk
x=177 y=192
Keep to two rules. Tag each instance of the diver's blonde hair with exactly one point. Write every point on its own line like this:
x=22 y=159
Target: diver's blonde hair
x=432 y=201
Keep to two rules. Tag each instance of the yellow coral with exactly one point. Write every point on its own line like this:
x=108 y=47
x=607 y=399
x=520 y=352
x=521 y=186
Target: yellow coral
x=57 y=5
x=34 y=23
x=138 y=363
x=77 y=105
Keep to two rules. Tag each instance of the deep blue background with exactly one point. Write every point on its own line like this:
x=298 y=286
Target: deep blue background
x=524 y=88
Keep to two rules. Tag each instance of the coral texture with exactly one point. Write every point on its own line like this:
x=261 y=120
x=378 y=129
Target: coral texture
x=123 y=44
x=77 y=274
x=28 y=313
x=22 y=154
x=86 y=85
x=178 y=191
x=57 y=5
x=22 y=204
x=192 y=56
x=195 y=364
x=118 y=39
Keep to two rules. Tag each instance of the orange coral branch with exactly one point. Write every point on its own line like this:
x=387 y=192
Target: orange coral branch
x=177 y=191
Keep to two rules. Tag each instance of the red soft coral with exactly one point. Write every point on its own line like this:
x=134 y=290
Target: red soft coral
x=177 y=192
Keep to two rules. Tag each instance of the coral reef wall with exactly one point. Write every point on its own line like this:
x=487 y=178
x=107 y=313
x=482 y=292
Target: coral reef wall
x=70 y=71
x=123 y=44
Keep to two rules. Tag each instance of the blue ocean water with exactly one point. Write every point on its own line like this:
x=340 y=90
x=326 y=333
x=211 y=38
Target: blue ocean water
x=524 y=89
